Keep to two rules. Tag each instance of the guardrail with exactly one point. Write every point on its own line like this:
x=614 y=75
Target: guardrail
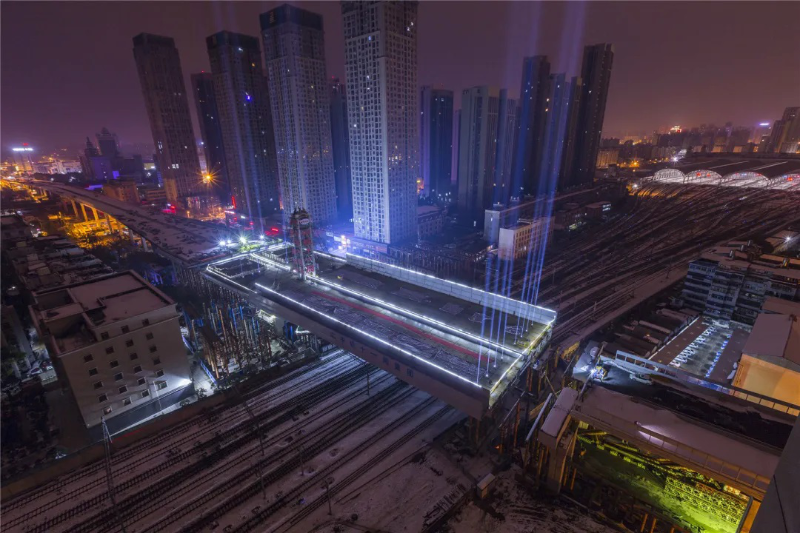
x=760 y=399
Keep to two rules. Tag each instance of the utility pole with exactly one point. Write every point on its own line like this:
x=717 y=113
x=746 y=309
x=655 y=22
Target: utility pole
x=328 y=496
x=109 y=479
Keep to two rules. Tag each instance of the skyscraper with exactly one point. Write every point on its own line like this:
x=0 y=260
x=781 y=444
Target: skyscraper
x=506 y=134
x=555 y=133
x=477 y=153
x=294 y=47
x=785 y=134
x=381 y=66
x=567 y=178
x=340 y=140
x=246 y=122
x=596 y=75
x=167 y=104
x=529 y=140
x=108 y=143
x=211 y=131
x=436 y=140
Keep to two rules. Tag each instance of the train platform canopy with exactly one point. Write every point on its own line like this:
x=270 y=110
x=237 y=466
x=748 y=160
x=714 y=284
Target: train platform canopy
x=456 y=333
x=769 y=168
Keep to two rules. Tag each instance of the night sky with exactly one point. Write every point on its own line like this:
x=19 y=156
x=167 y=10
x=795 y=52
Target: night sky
x=68 y=70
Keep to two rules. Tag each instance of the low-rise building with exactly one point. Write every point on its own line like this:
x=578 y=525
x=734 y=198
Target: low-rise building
x=122 y=190
x=430 y=220
x=48 y=262
x=770 y=362
x=155 y=195
x=116 y=346
x=732 y=281
x=14 y=228
x=521 y=238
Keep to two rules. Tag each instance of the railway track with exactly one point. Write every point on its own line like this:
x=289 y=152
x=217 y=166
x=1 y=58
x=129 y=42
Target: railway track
x=97 y=468
x=332 y=491
x=283 y=462
x=211 y=451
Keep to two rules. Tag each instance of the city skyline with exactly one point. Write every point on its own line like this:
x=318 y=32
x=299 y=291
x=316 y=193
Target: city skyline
x=450 y=58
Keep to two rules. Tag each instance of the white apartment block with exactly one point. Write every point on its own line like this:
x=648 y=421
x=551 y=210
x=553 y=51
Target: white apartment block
x=294 y=47
x=115 y=343
x=524 y=237
x=382 y=109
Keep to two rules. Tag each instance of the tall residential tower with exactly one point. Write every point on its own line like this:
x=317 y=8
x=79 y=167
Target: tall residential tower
x=294 y=50
x=436 y=141
x=477 y=153
x=246 y=120
x=167 y=104
x=596 y=75
x=211 y=131
x=340 y=139
x=381 y=66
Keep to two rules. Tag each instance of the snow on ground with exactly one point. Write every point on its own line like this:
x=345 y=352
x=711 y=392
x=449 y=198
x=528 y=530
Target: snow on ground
x=510 y=508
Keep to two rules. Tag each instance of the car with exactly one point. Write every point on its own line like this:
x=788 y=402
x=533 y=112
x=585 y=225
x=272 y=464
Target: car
x=35 y=371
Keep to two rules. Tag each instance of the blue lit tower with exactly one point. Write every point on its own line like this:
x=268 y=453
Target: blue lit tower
x=530 y=127
x=382 y=108
x=294 y=50
x=246 y=122
x=436 y=140
x=340 y=139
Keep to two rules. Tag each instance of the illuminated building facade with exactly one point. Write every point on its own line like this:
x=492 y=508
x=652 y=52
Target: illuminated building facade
x=167 y=104
x=246 y=121
x=116 y=345
x=381 y=68
x=294 y=47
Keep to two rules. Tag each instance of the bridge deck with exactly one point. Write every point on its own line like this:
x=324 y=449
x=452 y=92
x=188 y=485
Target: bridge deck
x=434 y=332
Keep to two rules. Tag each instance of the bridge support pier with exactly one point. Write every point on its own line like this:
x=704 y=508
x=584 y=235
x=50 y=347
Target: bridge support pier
x=74 y=208
x=94 y=212
x=83 y=209
x=556 y=467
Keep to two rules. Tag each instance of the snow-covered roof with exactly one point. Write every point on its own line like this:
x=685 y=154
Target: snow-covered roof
x=774 y=335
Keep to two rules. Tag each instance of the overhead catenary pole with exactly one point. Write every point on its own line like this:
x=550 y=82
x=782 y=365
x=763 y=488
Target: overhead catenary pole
x=109 y=478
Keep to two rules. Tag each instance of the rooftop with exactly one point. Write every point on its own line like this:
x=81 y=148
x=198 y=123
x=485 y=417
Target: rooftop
x=70 y=314
x=775 y=336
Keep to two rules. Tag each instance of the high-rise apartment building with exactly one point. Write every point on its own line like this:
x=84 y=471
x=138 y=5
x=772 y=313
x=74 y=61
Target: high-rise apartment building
x=246 y=121
x=574 y=98
x=507 y=113
x=596 y=75
x=211 y=131
x=530 y=136
x=477 y=153
x=167 y=104
x=785 y=134
x=436 y=140
x=382 y=102
x=108 y=143
x=340 y=142
x=556 y=123
x=294 y=49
